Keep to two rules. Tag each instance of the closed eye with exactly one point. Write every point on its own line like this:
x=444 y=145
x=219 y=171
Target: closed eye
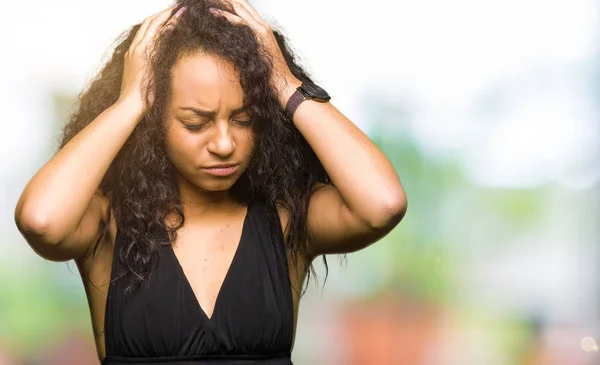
x=245 y=122
x=194 y=127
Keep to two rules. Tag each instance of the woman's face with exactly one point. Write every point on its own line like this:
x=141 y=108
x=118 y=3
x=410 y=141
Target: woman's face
x=209 y=139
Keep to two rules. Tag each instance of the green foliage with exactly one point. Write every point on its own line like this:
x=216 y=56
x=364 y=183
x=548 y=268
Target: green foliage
x=425 y=253
x=40 y=307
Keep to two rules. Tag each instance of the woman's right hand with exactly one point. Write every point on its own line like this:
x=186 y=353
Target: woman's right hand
x=136 y=58
x=61 y=211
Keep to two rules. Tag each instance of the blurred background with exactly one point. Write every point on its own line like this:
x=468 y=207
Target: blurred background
x=489 y=111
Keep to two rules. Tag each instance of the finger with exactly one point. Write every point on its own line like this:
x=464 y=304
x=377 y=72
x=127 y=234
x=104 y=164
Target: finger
x=260 y=27
x=243 y=13
x=246 y=5
x=232 y=18
x=170 y=24
x=156 y=24
x=141 y=33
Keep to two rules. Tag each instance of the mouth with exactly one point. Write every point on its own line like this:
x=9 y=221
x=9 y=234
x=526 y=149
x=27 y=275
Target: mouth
x=221 y=170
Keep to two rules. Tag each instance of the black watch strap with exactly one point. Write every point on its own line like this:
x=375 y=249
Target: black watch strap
x=295 y=100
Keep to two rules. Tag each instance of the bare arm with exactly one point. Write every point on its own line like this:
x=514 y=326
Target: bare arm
x=368 y=199
x=61 y=211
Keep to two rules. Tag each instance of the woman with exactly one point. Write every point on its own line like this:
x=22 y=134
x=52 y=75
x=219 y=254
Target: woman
x=198 y=180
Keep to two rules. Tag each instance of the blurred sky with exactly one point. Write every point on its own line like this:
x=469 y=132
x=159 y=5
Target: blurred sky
x=442 y=57
x=507 y=88
x=504 y=85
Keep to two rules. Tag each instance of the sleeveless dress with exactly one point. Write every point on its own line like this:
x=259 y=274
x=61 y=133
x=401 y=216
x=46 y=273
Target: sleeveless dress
x=161 y=322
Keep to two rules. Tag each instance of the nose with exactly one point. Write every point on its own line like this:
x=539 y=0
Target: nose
x=221 y=142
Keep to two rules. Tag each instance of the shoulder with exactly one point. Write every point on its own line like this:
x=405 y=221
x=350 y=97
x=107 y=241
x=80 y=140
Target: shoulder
x=284 y=213
x=274 y=213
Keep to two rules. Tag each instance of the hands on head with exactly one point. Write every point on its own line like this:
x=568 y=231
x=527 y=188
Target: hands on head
x=136 y=59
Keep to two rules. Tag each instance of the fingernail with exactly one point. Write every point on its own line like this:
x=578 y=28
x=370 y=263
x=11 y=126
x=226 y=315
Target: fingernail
x=180 y=11
x=214 y=11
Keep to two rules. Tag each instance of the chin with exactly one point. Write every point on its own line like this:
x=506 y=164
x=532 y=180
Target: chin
x=209 y=183
x=216 y=184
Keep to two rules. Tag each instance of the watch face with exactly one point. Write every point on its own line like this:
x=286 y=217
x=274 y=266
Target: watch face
x=315 y=91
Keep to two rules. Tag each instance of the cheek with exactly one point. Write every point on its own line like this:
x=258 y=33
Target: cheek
x=248 y=143
x=180 y=145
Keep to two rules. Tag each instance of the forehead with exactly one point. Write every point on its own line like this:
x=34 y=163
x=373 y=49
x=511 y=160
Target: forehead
x=206 y=79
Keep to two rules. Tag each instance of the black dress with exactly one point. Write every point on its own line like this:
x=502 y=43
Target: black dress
x=162 y=322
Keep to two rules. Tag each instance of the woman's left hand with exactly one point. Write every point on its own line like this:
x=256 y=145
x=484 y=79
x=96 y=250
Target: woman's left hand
x=282 y=80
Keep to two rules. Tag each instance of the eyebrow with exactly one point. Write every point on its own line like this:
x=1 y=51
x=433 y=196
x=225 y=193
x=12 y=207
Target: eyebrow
x=211 y=113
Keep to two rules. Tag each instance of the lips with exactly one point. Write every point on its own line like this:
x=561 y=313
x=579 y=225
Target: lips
x=222 y=170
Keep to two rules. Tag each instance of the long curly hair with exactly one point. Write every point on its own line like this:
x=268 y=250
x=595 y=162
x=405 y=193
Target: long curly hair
x=140 y=182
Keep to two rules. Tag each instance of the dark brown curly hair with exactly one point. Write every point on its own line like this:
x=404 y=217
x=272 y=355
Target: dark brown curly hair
x=140 y=182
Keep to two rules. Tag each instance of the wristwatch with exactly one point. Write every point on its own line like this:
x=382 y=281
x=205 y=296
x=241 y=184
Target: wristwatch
x=306 y=91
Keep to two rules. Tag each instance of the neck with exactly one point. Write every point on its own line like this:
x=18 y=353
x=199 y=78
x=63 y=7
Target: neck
x=197 y=202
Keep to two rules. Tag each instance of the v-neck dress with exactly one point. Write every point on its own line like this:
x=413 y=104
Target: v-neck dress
x=161 y=321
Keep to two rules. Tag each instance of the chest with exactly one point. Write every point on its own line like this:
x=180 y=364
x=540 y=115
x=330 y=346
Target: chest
x=205 y=256
x=213 y=291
